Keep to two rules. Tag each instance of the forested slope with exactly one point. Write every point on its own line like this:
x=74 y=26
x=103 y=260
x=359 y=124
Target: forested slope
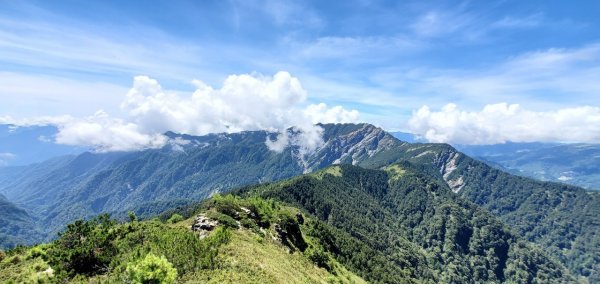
x=344 y=224
x=395 y=209
x=560 y=218
x=15 y=221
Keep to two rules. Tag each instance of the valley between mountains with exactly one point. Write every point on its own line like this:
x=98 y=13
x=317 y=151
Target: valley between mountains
x=364 y=206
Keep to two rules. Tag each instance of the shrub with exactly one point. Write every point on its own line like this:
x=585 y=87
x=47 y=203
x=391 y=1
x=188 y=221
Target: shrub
x=14 y=259
x=318 y=257
x=85 y=247
x=151 y=269
x=212 y=243
x=219 y=237
x=132 y=216
x=36 y=252
x=248 y=223
x=289 y=224
x=2 y=255
x=264 y=210
x=227 y=204
x=223 y=219
x=175 y=218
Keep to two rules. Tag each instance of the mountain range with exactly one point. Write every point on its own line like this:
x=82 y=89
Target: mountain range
x=433 y=197
x=576 y=164
x=570 y=163
x=398 y=224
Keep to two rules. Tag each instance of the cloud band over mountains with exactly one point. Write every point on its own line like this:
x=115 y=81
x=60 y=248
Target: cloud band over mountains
x=500 y=123
x=276 y=103
x=244 y=102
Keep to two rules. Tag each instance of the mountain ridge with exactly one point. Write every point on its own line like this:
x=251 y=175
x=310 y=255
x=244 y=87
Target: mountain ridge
x=186 y=171
x=342 y=224
x=400 y=188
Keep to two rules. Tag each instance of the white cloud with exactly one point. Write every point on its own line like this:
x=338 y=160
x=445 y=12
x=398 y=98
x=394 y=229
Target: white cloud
x=25 y=94
x=244 y=102
x=106 y=134
x=564 y=178
x=280 y=143
x=5 y=158
x=39 y=121
x=80 y=46
x=321 y=113
x=499 y=123
x=45 y=139
x=444 y=23
x=291 y=13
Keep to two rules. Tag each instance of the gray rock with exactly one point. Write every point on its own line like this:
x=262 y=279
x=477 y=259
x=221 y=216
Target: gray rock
x=248 y=212
x=202 y=224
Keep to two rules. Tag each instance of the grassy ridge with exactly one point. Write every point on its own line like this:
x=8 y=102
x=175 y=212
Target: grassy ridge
x=242 y=249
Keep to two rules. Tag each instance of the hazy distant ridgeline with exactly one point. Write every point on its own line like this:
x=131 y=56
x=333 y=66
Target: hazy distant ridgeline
x=575 y=163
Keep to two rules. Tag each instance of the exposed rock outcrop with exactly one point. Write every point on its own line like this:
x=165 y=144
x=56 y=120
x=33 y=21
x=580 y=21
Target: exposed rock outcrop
x=447 y=162
x=351 y=148
x=203 y=225
x=248 y=212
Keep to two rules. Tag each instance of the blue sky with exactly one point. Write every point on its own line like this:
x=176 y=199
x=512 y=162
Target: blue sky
x=385 y=59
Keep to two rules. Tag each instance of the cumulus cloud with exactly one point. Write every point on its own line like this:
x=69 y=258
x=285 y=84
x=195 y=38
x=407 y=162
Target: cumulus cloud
x=499 y=123
x=322 y=113
x=244 y=102
x=105 y=134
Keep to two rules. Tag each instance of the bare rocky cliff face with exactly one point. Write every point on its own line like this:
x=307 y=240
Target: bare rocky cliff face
x=448 y=162
x=357 y=144
x=351 y=147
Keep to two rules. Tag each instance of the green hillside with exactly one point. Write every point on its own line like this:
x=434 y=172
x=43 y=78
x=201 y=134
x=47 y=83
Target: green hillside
x=15 y=221
x=560 y=219
x=396 y=209
x=575 y=164
x=103 y=251
x=344 y=224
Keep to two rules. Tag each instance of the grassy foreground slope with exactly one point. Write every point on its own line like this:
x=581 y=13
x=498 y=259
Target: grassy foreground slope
x=243 y=250
x=246 y=259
